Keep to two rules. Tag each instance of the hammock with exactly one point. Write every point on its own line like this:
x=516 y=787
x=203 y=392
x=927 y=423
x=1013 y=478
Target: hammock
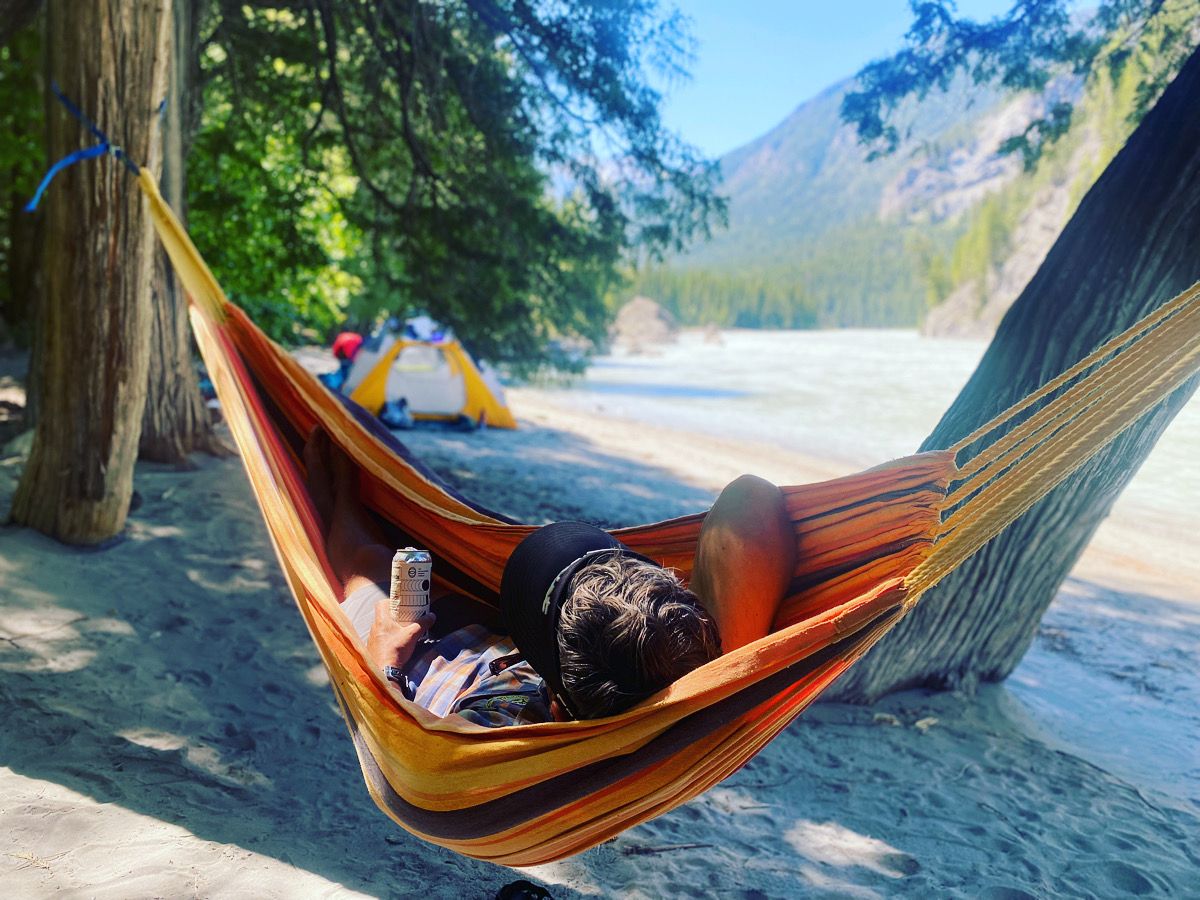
x=868 y=546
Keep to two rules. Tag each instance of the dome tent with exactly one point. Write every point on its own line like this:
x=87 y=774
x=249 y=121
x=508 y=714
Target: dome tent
x=432 y=373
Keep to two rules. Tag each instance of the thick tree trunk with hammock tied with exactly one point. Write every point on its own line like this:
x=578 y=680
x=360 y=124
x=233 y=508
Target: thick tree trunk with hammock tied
x=94 y=330
x=1131 y=246
x=176 y=421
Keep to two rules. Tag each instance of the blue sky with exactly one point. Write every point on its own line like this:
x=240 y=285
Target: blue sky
x=757 y=60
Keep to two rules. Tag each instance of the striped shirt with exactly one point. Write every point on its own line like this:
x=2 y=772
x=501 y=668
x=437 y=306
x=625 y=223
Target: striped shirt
x=470 y=672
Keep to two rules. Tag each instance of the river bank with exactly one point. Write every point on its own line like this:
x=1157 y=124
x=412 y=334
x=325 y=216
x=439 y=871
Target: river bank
x=167 y=729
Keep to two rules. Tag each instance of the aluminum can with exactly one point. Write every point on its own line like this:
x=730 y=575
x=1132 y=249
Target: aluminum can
x=412 y=571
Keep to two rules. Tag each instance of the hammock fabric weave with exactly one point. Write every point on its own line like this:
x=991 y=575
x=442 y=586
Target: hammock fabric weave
x=868 y=546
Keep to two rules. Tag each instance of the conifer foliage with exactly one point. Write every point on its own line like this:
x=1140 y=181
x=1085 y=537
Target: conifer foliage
x=489 y=162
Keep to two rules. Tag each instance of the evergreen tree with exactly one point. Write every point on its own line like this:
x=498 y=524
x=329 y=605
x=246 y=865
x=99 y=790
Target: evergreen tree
x=488 y=162
x=369 y=156
x=93 y=337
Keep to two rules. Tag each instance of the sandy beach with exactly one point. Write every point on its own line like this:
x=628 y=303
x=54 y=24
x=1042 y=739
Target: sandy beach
x=168 y=731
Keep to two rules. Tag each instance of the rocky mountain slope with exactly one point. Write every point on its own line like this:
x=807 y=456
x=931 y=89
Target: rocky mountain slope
x=1008 y=235
x=944 y=232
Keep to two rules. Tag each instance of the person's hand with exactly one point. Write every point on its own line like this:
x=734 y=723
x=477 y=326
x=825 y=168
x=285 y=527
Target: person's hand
x=392 y=643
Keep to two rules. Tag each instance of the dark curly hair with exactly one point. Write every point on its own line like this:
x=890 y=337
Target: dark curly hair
x=628 y=629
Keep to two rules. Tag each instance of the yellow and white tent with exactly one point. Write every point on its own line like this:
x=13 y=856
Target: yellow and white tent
x=437 y=378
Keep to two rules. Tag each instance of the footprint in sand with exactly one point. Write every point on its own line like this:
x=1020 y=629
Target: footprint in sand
x=196 y=678
x=996 y=892
x=277 y=696
x=1122 y=879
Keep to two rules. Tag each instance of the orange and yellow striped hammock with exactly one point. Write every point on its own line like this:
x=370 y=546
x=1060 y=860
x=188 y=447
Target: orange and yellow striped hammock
x=869 y=545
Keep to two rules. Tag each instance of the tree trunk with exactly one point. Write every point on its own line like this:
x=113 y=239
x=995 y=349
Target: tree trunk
x=110 y=56
x=176 y=421
x=37 y=252
x=1130 y=246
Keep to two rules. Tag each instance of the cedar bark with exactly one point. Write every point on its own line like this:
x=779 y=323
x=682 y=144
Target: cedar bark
x=176 y=421
x=94 y=328
x=1130 y=247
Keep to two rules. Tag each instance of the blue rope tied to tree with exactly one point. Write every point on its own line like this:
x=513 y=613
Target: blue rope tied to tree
x=68 y=160
x=105 y=147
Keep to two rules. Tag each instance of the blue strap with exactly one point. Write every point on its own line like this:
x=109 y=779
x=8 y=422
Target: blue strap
x=95 y=129
x=68 y=160
x=78 y=113
x=104 y=147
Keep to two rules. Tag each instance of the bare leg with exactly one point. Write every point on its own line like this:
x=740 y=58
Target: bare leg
x=353 y=543
x=745 y=557
x=356 y=549
x=319 y=475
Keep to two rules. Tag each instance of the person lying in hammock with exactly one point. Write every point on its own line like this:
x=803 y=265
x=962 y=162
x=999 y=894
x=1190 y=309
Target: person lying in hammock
x=587 y=627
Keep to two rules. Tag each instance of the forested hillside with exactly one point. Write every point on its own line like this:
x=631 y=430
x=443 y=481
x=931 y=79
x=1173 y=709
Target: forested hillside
x=822 y=236
x=1007 y=236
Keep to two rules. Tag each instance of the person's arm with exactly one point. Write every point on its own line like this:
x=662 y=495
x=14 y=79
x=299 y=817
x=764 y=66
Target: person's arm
x=360 y=560
x=745 y=557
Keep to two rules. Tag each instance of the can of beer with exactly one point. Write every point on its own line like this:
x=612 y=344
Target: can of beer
x=412 y=570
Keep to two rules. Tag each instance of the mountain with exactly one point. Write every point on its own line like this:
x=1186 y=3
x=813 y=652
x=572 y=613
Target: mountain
x=1006 y=236
x=808 y=178
x=820 y=235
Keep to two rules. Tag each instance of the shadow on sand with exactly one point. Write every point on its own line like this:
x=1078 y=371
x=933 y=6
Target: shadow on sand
x=171 y=675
